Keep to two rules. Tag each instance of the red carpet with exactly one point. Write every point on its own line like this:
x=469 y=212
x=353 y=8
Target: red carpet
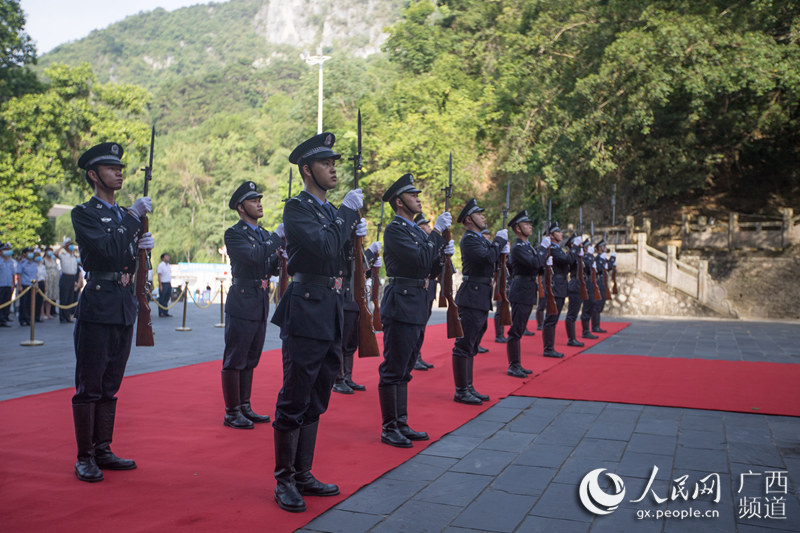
x=748 y=387
x=197 y=475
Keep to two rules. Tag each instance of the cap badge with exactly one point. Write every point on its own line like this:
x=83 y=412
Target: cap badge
x=329 y=141
x=252 y=185
x=115 y=149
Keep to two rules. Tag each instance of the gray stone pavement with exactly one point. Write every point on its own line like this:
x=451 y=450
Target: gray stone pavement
x=519 y=465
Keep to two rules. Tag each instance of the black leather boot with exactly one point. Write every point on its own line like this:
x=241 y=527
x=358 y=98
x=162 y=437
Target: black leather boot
x=390 y=432
x=230 y=393
x=424 y=362
x=347 y=366
x=570 y=326
x=341 y=386
x=104 y=415
x=539 y=319
x=528 y=333
x=419 y=364
x=587 y=334
x=86 y=468
x=596 y=324
x=245 y=388
x=512 y=351
x=478 y=395
x=463 y=394
x=402 y=415
x=548 y=340
x=304 y=480
x=481 y=349
x=499 y=336
x=287 y=496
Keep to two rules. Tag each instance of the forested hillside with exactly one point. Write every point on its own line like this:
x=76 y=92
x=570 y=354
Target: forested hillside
x=665 y=100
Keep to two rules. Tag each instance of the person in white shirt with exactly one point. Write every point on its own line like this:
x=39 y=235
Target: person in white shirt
x=164 y=284
x=68 y=282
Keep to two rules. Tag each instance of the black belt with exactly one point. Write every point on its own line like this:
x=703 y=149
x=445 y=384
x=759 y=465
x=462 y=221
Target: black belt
x=315 y=279
x=408 y=282
x=478 y=279
x=556 y=276
x=257 y=283
x=106 y=276
x=526 y=278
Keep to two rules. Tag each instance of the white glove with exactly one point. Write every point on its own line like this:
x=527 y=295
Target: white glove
x=450 y=248
x=506 y=249
x=146 y=241
x=283 y=253
x=594 y=265
x=375 y=247
x=444 y=221
x=280 y=232
x=377 y=263
x=503 y=234
x=550 y=261
x=590 y=249
x=546 y=241
x=141 y=207
x=580 y=251
x=361 y=228
x=354 y=199
x=613 y=255
x=603 y=256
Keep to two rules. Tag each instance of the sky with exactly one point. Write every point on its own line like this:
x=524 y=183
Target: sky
x=53 y=22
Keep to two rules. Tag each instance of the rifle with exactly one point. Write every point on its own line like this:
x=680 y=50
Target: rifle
x=284 y=279
x=376 y=285
x=502 y=273
x=454 y=330
x=539 y=283
x=144 y=324
x=582 y=282
x=614 y=272
x=552 y=309
x=605 y=278
x=367 y=343
x=596 y=295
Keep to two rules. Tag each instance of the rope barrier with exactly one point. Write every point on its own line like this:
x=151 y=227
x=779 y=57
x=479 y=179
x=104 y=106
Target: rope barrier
x=20 y=295
x=51 y=302
x=210 y=301
x=170 y=306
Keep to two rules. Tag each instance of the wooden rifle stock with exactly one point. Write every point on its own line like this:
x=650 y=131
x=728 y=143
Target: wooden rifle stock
x=614 y=279
x=283 y=282
x=596 y=295
x=376 y=303
x=540 y=285
x=144 y=323
x=502 y=280
x=584 y=291
x=605 y=278
x=367 y=343
x=552 y=308
x=454 y=329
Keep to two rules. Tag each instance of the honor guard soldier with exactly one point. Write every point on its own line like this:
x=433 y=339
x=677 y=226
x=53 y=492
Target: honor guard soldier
x=601 y=260
x=344 y=383
x=110 y=237
x=411 y=256
x=523 y=292
x=542 y=251
x=573 y=291
x=254 y=254
x=589 y=266
x=311 y=317
x=474 y=297
x=560 y=262
x=425 y=225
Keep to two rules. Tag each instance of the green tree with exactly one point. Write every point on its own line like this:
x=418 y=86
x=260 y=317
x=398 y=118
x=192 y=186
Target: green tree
x=16 y=53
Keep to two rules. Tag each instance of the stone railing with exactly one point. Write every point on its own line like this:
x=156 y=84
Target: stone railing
x=742 y=231
x=666 y=268
x=619 y=234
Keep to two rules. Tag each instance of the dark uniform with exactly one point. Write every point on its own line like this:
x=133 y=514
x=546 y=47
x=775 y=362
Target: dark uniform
x=542 y=304
x=105 y=315
x=344 y=383
x=411 y=258
x=420 y=363
x=523 y=291
x=561 y=265
x=588 y=305
x=573 y=292
x=474 y=300
x=254 y=258
x=602 y=266
x=311 y=317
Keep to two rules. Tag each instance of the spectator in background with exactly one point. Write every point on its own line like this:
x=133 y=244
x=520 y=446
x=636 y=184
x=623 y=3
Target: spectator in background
x=207 y=294
x=50 y=284
x=68 y=283
x=27 y=269
x=164 y=272
x=41 y=277
x=7 y=270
